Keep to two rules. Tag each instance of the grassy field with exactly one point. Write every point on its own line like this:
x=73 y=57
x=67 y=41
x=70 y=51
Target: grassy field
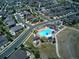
x=76 y=26
x=46 y=49
x=68 y=41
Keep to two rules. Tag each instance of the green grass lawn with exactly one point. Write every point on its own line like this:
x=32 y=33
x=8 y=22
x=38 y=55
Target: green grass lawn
x=76 y=26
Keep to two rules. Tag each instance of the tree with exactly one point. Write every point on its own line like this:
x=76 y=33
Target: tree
x=37 y=55
x=34 y=31
x=14 y=18
x=5 y=31
x=76 y=0
x=5 y=58
x=16 y=48
x=1 y=22
x=22 y=46
x=43 y=39
x=61 y=1
x=25 y=16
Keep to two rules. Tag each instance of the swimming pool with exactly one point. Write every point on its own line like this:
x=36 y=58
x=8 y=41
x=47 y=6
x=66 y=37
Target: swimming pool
x=46 y=32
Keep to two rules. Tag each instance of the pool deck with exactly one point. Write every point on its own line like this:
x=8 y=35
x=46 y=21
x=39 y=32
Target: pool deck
x=45 y=32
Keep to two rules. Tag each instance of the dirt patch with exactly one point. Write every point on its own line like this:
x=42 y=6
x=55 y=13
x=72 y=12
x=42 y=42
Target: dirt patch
x=68 y=46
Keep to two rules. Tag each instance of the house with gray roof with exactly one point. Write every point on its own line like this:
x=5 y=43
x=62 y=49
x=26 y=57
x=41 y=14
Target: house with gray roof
x=9 y=21
x=19 y=54
x=15 y=29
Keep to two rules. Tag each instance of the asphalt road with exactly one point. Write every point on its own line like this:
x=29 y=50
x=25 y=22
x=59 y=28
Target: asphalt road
x=20 y=39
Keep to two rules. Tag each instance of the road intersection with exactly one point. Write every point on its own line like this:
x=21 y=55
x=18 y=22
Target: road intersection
x=23 y=36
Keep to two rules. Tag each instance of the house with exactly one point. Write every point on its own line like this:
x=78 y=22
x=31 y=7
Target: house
x=43 y=10
x=8 y=18
x=15 y=29
x=21 y=15
x=29 y=17
x=19 y=54
x=9 y=21
x=3 y=40
x=18 y=17
x=26 y=13
x=36 y=38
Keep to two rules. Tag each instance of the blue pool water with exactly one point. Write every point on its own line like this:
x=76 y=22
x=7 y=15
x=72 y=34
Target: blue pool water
x=45 y=32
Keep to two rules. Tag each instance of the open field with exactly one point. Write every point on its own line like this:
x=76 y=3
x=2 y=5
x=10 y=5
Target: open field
x=48 y=51
x=76 y=26
x=68 y=41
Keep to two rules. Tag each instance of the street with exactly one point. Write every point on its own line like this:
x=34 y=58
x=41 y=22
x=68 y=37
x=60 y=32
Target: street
x=23 y=36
